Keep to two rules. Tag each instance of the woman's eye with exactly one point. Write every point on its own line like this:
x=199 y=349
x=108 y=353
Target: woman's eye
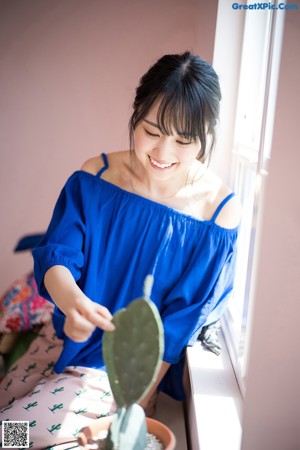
x=151 y=134
x=184 y=142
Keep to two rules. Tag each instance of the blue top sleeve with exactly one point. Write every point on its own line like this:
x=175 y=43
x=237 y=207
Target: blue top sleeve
x=199 y=293
x=63 y=243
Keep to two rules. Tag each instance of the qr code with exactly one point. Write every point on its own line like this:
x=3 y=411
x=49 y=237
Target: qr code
x=15 y=434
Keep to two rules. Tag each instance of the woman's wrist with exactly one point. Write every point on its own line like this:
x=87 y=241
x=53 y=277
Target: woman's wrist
x=62 y=288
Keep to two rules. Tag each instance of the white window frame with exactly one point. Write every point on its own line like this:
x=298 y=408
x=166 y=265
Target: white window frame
x=217 y=385
x=251 y=149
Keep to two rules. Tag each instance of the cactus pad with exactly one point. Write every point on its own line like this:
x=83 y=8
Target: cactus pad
x=133 y=351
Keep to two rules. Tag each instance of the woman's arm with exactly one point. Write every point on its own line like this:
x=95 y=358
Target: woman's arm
x=82 y=314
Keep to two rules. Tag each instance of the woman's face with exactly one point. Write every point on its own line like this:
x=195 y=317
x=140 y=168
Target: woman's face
x=163 y=156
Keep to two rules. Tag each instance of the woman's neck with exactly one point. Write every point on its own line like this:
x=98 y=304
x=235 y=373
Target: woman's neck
x=160 y=190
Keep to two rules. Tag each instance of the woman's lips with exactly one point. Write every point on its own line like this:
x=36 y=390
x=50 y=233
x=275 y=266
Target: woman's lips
x=158 y=165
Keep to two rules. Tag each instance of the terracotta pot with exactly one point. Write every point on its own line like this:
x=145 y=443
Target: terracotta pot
x=158 y=429
x=162 y=432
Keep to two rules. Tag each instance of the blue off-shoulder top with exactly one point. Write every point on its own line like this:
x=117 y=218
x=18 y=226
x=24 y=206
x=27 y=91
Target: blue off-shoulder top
x=110 y=239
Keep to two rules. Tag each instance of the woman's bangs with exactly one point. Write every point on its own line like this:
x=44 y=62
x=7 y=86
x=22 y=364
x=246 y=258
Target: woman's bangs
x=176 y=115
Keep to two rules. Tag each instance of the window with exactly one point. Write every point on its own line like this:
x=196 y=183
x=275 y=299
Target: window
x=250 y=151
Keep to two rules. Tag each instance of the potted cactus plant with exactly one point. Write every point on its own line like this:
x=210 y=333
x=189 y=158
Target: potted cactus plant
x=132 y=354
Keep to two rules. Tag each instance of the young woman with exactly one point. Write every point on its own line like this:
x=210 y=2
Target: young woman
x=154 y=209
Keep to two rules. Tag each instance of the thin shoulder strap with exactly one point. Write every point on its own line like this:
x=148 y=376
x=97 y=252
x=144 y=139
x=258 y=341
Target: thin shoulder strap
x=223 y=202
x=105 y=160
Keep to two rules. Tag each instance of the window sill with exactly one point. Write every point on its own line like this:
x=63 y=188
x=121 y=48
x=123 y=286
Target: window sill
x=214 y=403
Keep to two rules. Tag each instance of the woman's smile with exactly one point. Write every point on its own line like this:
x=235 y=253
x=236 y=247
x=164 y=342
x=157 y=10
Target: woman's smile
x=159 y=165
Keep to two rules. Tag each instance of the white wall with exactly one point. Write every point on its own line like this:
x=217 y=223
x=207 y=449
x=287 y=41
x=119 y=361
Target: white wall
x=272 y=403
x=68 y=70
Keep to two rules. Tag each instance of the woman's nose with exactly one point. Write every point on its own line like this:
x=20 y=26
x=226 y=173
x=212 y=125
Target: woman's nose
x=164 y=148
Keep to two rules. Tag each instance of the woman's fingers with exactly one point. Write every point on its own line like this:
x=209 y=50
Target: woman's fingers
x=80 y=323
x=98 y=315
x=101 y=317
x=77 y=327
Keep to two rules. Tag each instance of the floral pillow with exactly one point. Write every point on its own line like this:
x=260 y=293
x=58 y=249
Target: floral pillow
x=21 y=307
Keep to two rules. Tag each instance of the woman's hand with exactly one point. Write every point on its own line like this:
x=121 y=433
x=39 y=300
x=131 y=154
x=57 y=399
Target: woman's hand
x=82 y=319
x=82 y=314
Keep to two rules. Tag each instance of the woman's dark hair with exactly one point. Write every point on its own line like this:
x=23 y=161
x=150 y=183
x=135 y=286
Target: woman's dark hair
x=190 y=96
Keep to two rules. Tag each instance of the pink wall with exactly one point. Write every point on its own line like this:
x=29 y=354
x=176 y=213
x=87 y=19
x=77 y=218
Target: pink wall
x=68 y=69
x=272 y=403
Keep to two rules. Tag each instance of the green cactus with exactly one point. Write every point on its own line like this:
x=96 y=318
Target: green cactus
x=34 y=392
x=57 y=390
x=54 y=428
x=132 y=355
x=30 y=367
x=8 y=384
x=55 y=407
x=30 y=405
x=128 y=429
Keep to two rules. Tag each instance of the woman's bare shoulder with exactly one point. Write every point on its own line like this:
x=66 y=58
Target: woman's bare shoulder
x=96 y=163
x=230 y=214
x=92 y=165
